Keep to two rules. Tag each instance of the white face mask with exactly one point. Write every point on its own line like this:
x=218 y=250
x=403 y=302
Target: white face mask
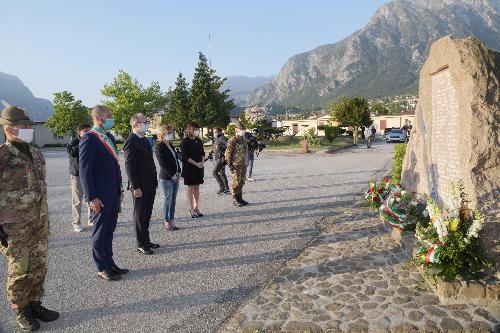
x=242 y=132
x=170 y=137
x=196 y=133
x=25 y=134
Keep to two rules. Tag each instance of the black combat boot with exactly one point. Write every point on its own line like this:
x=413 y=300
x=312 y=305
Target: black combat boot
x=42 y=313
x=25 y=320
x=236 y=201
x=240 y=198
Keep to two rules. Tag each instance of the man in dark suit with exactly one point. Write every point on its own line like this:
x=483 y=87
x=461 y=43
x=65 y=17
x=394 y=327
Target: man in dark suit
x=102 y=184
x=142 y=181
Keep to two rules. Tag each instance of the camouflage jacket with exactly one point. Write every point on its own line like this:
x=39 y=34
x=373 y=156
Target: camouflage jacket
x=236 y=152
x=23 y=193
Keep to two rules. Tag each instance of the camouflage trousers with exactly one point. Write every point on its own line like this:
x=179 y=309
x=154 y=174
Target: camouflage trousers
x=239 y=177
x=26 y=270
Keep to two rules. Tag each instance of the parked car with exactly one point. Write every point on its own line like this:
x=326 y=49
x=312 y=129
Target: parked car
x=396 y=135
x=387 y=130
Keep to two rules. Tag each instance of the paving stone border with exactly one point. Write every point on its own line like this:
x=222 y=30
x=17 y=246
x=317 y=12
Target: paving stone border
x=355 y=278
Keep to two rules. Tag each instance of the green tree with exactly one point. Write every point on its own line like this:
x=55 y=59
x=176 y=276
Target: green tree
x=352 y=112
x=209 y=106
x=126 y=96
x=231 y=130
x=68 y=114
x=245 y=121
x=378 y=108
x=178 y=106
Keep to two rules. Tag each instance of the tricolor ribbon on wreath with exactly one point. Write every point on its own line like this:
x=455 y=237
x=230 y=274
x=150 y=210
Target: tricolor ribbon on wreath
x=432 y=256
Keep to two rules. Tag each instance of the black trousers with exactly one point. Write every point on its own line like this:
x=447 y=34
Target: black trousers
x=143 y=208
x=219 y=173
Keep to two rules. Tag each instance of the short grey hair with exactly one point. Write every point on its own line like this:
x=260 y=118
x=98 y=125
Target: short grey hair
x=135 y=118
x=99 y=110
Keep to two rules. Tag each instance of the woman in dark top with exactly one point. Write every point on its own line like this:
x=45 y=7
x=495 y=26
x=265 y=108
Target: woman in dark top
x=192 y=167
x=170 y=174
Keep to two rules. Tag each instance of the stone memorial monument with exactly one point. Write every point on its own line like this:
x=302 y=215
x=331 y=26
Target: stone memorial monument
x=455 y=132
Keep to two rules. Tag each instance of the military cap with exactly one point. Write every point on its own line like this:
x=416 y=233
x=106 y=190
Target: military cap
x=239 y=125
x=14 y=115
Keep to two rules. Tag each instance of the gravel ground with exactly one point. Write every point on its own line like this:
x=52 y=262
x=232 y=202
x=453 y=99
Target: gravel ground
x=209 y=268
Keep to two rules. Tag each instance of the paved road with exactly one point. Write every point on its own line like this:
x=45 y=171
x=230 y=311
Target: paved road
x=204 y=271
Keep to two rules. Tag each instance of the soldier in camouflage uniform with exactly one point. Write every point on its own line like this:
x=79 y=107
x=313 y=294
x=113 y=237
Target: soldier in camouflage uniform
x=236 y=157
x=24 y=222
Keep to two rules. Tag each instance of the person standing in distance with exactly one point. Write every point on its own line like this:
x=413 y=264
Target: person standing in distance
x=24 y=219
x=73 y=150
x=101 y=180
x=253 y=145
x=236 y=158
x=142 y=182
x=219 y=171
x=193 y=167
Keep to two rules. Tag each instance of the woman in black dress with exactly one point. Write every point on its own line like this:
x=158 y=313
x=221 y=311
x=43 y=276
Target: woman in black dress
x=192 y=167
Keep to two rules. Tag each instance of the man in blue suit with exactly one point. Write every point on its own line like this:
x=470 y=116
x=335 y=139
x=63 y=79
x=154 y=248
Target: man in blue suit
x=102 y=185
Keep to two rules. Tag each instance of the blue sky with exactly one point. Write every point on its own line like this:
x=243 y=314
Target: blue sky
x=56 y=45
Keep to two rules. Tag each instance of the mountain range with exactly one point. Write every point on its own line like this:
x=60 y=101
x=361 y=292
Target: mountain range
x=383 y=58
x=241 y=86
x=14 y=92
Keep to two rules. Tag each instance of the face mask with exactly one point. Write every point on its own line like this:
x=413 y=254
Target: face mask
x=170 y=137
x=25 y=134
x=242 y=132
x=108 y=124
x=145 y=127
x=196 y=133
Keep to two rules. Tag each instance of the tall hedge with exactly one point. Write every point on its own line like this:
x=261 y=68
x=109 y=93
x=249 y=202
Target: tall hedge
x=399 y=155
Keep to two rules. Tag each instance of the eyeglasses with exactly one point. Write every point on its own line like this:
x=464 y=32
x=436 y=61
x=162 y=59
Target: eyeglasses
x=144 y=122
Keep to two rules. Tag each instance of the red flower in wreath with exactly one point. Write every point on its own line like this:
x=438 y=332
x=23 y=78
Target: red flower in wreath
x=380 y=190
x=376 y=199
x=386 y=180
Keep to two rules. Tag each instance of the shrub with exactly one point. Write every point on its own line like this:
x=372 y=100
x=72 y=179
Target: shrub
x=331 y=132
x=312 y=137
x=399 y=155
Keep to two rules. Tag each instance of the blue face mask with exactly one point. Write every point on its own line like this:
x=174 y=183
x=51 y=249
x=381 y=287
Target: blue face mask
x=108 y=124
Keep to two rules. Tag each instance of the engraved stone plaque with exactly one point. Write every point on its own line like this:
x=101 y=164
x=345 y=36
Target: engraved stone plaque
x=445 y=158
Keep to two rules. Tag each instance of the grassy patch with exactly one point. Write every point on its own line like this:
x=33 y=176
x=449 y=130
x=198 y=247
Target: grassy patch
x=289 y=142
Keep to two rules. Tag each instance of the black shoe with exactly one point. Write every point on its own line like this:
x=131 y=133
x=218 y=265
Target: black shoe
x=221 y=191
x=155 y=246
x=200 y=214
x=42 y=313
x=26 y=321
x=117 y=270
x=240 y=199
x=193 y=215
x=227 y=191
x=109 y=276
x=236 y=202
x=145 y=250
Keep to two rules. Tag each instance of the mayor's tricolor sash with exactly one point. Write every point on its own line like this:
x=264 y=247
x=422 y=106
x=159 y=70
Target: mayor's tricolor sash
x=105 y=140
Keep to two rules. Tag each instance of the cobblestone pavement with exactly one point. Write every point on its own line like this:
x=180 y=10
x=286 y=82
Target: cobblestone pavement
x=353 y=278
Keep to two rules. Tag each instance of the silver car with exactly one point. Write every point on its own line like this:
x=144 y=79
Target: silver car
x=396 y=135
